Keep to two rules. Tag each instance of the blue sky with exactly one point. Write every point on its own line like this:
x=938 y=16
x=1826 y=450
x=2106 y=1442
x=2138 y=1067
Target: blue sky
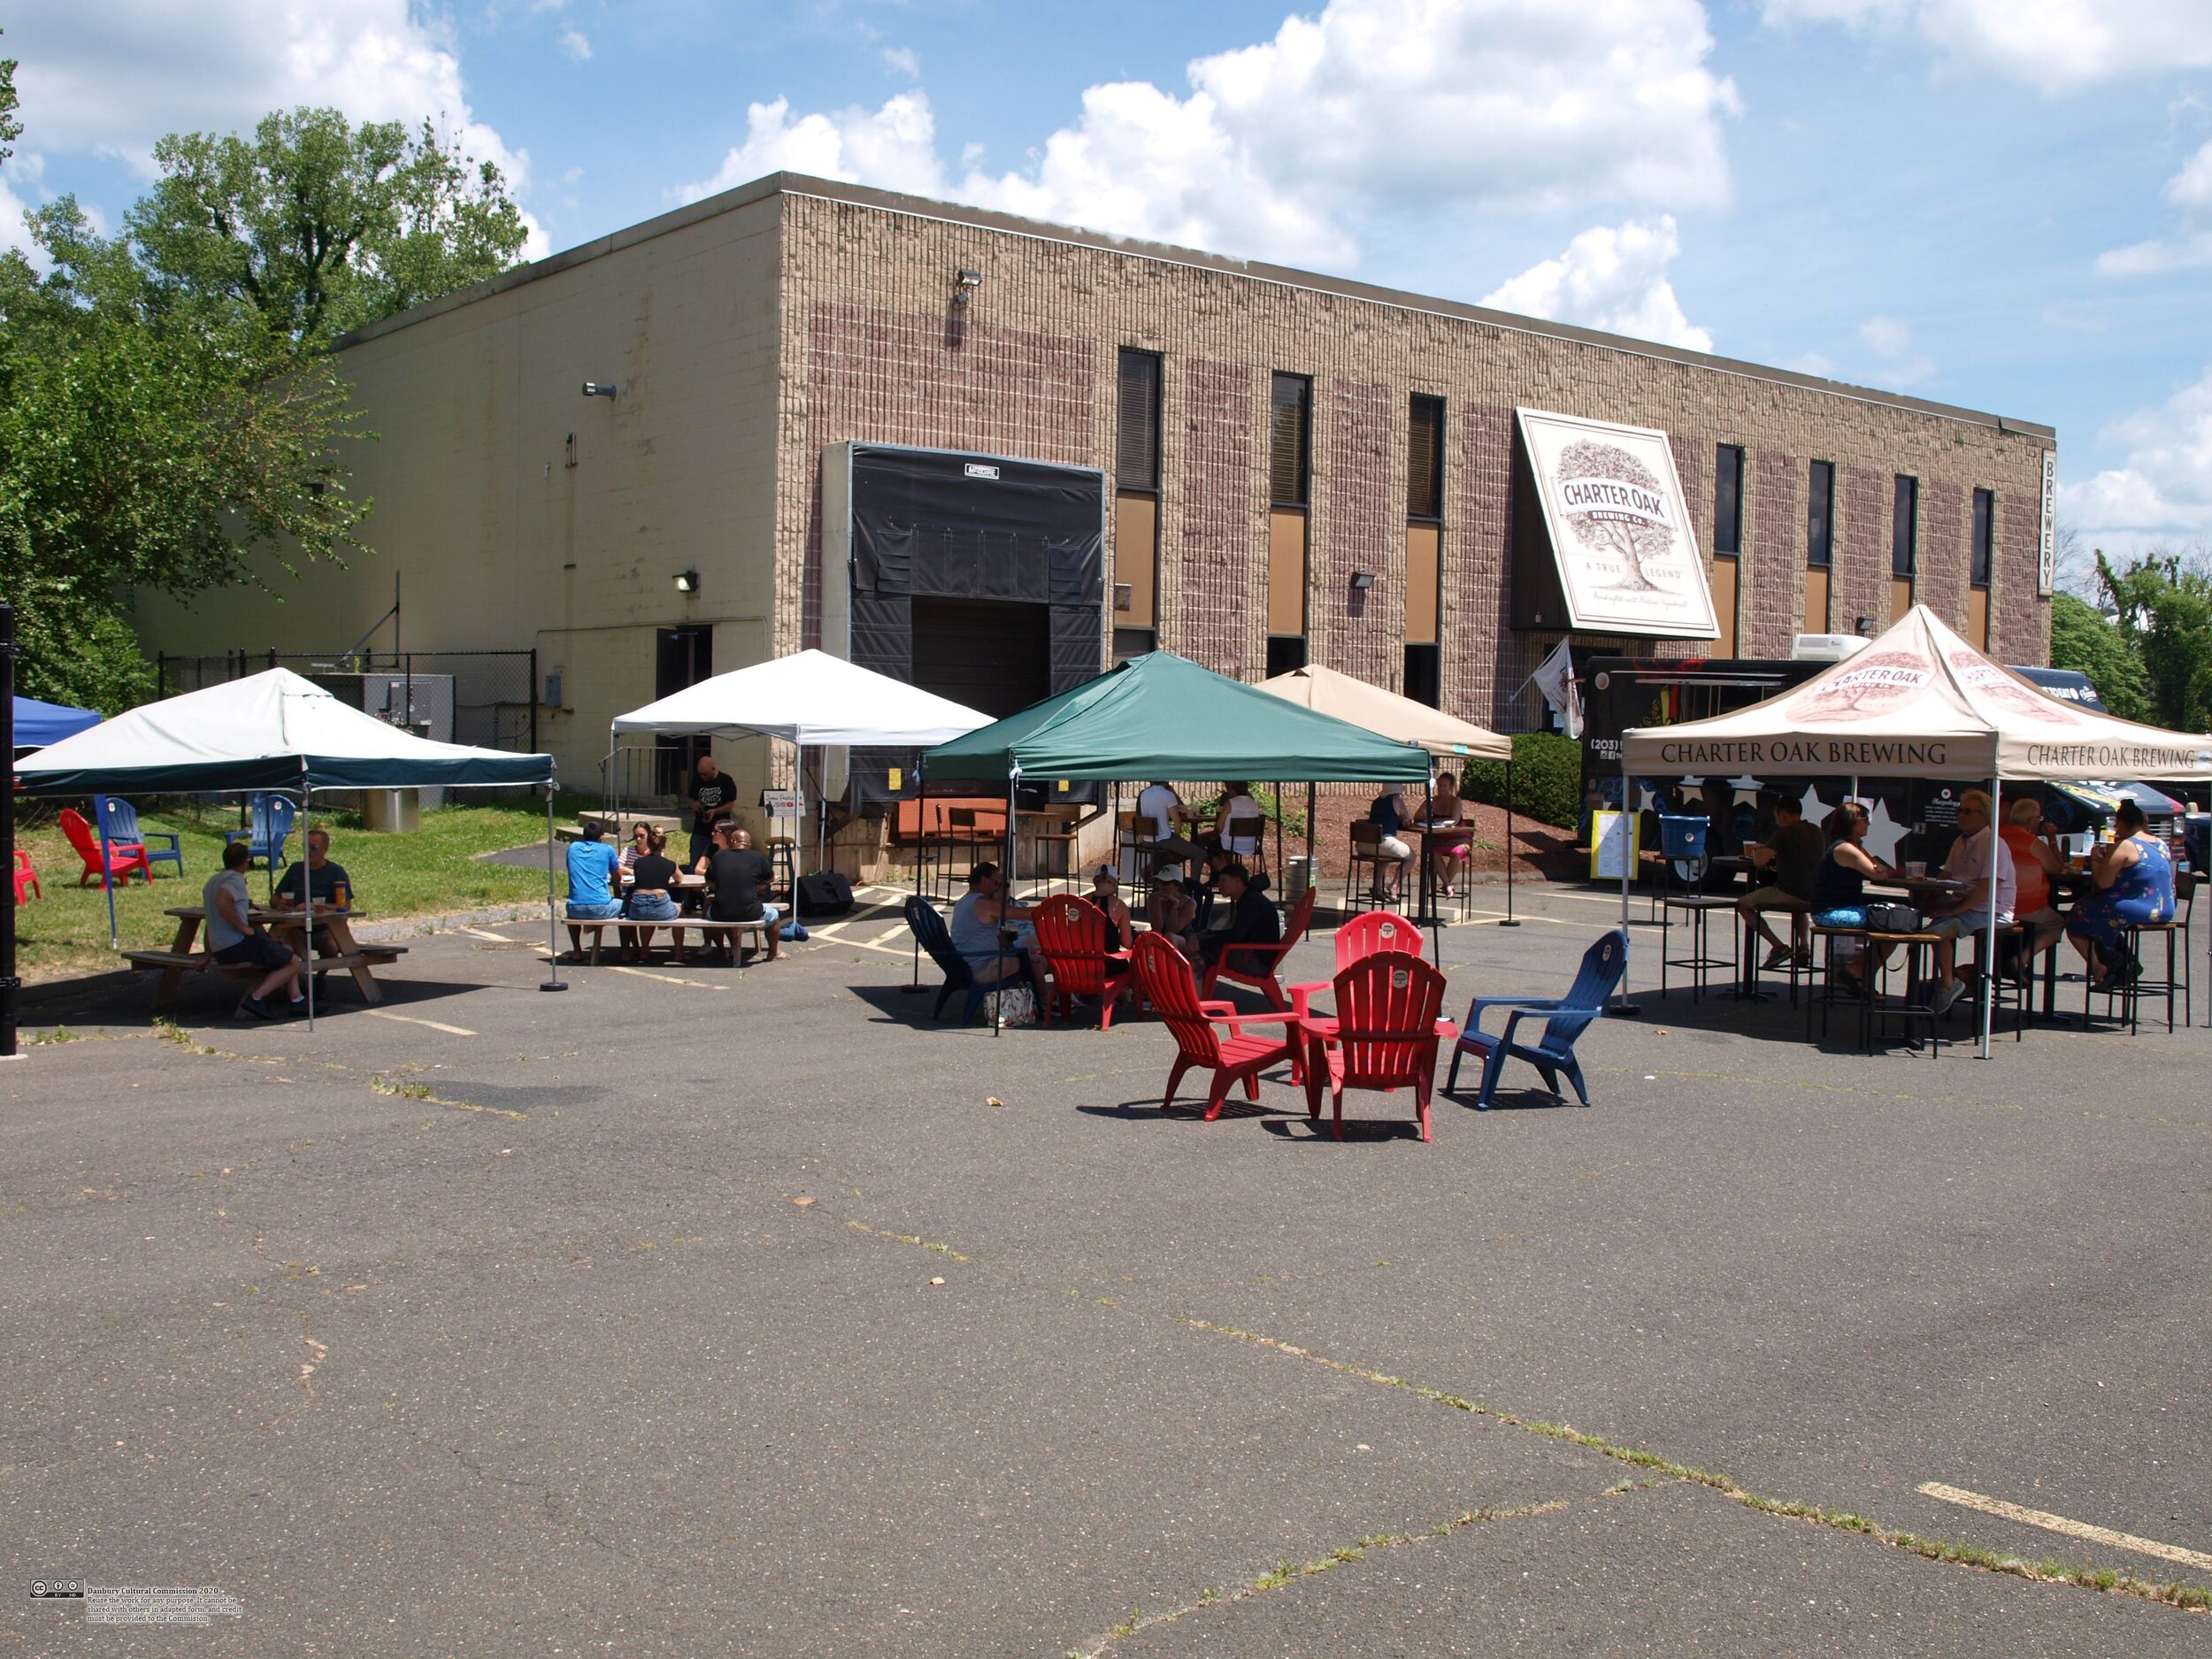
x=2004 y=204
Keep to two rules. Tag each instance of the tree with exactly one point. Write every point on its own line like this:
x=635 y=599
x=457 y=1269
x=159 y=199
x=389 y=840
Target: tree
x=319 y=227
x=2163 y=603
x=2086 y=642
x=11 y=129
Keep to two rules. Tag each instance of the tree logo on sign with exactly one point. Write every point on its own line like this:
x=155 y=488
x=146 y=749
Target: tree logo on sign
x=1874 y=681
x=1616 y=505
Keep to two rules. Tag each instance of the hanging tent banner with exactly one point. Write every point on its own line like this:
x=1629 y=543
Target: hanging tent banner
x=1621 y=537
x=1919 y=701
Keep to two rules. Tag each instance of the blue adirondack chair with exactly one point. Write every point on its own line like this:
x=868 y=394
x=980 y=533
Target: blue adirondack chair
x=1565 y=1017
x=929 y=927
x=119 y=818
x=272 y=815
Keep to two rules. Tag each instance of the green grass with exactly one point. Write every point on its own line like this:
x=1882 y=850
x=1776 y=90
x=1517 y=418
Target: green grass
x=427 y=872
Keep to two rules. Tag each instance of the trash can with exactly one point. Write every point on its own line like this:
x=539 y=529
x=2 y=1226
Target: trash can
x=1297 y=876
x=385 y=810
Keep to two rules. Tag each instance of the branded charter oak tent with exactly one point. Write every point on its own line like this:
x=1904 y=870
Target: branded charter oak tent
x=1919 y=701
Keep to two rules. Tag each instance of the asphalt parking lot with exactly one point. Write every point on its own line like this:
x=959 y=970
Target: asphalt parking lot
x=692 y=1312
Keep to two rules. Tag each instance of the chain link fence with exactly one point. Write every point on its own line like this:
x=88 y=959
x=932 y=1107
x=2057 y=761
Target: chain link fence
x=485 y=698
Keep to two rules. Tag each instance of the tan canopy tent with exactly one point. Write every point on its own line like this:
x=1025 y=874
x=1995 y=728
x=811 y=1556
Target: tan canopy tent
x=1919 y=701
x=1329 y=691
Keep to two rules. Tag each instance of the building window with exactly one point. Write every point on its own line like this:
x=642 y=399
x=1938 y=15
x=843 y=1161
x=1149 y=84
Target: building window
x=1424 y=539
x=1904 y=540
x=1820 y=515
x=1985 y=517
x=1728 y=501
x=1136 y=504
x=1289 y=479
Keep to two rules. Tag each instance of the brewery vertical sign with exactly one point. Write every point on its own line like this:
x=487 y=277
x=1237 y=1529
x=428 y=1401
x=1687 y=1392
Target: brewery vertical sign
x=2046 y=562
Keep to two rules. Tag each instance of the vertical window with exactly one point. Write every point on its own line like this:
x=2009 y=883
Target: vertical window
x=1985 y=517
x=1289 y=479
x=1728 y=501
x=1904 y=538
x=1820 y=515
x=1136 y=503
x=1424 y=539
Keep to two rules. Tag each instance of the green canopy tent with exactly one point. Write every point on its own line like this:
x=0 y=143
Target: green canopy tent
x=1163 y=716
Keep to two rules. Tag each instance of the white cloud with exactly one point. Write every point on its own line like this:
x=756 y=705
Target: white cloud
x=2190 y=191
x=2056 y=46
x=112 y=78
x=1886 y=336
x=901 y=59
x=22 y=169
x=576 y=43
x=2164 y=492
x=1611 y=276
x=895 y=146
x=1814 y=363
x=1891 y=341
x=1279 y=149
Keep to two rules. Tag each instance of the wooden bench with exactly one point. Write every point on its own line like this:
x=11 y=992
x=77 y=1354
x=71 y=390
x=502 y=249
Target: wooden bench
x=703 y=926
x=172 y=965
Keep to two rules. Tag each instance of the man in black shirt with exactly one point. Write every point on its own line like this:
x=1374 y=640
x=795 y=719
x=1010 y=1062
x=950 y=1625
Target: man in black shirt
x=326 y=882
x=738 y=874
x=1252 y=921
x=710 y=793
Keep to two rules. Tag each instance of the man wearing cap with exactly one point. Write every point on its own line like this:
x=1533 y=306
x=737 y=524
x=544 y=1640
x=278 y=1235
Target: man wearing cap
x=1106 y=893
x=1172 y=913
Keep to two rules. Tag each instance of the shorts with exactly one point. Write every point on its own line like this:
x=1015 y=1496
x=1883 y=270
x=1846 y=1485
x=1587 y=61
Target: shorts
x=255 y=950
x=768 y=916
x=594 y=910
x=1957 y=926
x=1776 y=899
x=1390 y=846
x=653 y=907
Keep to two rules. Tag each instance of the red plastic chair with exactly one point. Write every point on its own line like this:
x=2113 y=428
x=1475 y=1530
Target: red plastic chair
x=1259 y=965
x=1370 y=933
x=26 y=877
x=1163 y=974
x=1385 y=1034
x=122 y=858
x=1072 y=935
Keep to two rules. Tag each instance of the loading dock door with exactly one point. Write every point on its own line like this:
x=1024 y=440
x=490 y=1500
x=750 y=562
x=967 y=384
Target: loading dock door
x=994 y=655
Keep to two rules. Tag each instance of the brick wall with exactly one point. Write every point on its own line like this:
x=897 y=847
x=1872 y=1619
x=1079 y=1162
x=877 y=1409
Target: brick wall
x=1361 y=527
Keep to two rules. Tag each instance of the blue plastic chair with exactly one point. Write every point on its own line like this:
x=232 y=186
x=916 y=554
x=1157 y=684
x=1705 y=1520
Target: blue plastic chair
x=118 y=819
x=936 y=938
x=1553 y=1053
x=272 y=817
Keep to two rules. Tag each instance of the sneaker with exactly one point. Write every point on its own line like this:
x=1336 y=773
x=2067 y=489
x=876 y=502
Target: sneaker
x=1948 y=997
x=1805 y=956
x=1778 y=957
x=254 y=1008
x=296 y=1008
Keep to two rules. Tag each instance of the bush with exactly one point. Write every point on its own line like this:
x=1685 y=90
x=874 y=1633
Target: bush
x=1547 y=779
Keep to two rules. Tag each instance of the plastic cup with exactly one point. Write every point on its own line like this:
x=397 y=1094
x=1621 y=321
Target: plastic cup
x=1915 y=867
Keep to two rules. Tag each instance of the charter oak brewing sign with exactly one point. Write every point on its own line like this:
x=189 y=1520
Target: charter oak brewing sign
x=1628 y=559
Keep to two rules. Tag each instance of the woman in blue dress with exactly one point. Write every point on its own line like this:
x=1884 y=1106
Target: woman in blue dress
x=2135 y=885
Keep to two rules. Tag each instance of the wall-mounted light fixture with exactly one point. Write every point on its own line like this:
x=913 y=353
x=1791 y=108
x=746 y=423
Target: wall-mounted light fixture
x=964 y=283
x=1362 y=580
x=1866 y=628
x=598 y=389
x=687 y=581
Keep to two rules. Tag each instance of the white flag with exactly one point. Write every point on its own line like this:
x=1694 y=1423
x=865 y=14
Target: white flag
x=1554 y=677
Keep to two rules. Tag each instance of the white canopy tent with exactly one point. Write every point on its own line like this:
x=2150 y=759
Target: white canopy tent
x=810 y=700
x=1919 y=701
x=274 y=732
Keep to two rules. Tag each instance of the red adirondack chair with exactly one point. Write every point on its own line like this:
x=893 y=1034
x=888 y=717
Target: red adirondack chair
x=1384 y=1035
x=1163 y=974
x=1260 y=965
x=1369 y=933
x=26 y=877
x=122 y=858
x=1075 y=938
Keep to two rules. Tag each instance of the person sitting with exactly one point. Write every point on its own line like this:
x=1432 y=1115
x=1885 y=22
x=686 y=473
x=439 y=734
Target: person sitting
x=652 y=896
x=739 y=876
x=1716 y=799
x=1238 y=824
x=2032 y=840
x=235 y=939
x=592 y=871
x=1448 y=848
x=1969 y=864
x=1388 y=812
x=992 y=936
x=1790 y=859
x=1172 y=913
x=2134 y=885
x=1839 y=889
x=1252 y=921
x=1159 y=806
x=1106 y=893
x=1208 y=887
x=319 y=879
x=638 y=846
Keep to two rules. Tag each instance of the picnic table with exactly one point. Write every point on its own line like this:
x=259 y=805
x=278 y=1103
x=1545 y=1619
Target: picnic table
x=186 y=956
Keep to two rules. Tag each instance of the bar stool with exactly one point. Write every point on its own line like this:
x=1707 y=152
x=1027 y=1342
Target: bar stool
x=1682 y=850
x=1366 y=849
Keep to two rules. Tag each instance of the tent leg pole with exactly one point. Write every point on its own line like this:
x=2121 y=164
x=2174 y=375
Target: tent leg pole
x=1006 y=898
x=1510 y=920
x=107 y=873
x=921 y=841
x=1313 y=800
x=1989 y=943
x=1621 y=1007
x=307 y=893
x=1428 y=887
x=552 y=920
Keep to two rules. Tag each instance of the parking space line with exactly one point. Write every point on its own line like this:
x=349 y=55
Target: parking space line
x=410 y=1019
x=481 y=934
x=666 y=978
x=2081 y=1530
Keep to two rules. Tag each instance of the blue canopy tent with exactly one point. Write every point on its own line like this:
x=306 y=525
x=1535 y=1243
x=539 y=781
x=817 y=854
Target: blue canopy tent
x=38 y=724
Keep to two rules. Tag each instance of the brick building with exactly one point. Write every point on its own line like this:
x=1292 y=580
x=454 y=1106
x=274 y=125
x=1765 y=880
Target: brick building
x=1289 y=466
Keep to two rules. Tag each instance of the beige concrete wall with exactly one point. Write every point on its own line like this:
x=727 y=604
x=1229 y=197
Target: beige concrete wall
x=502 y=545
